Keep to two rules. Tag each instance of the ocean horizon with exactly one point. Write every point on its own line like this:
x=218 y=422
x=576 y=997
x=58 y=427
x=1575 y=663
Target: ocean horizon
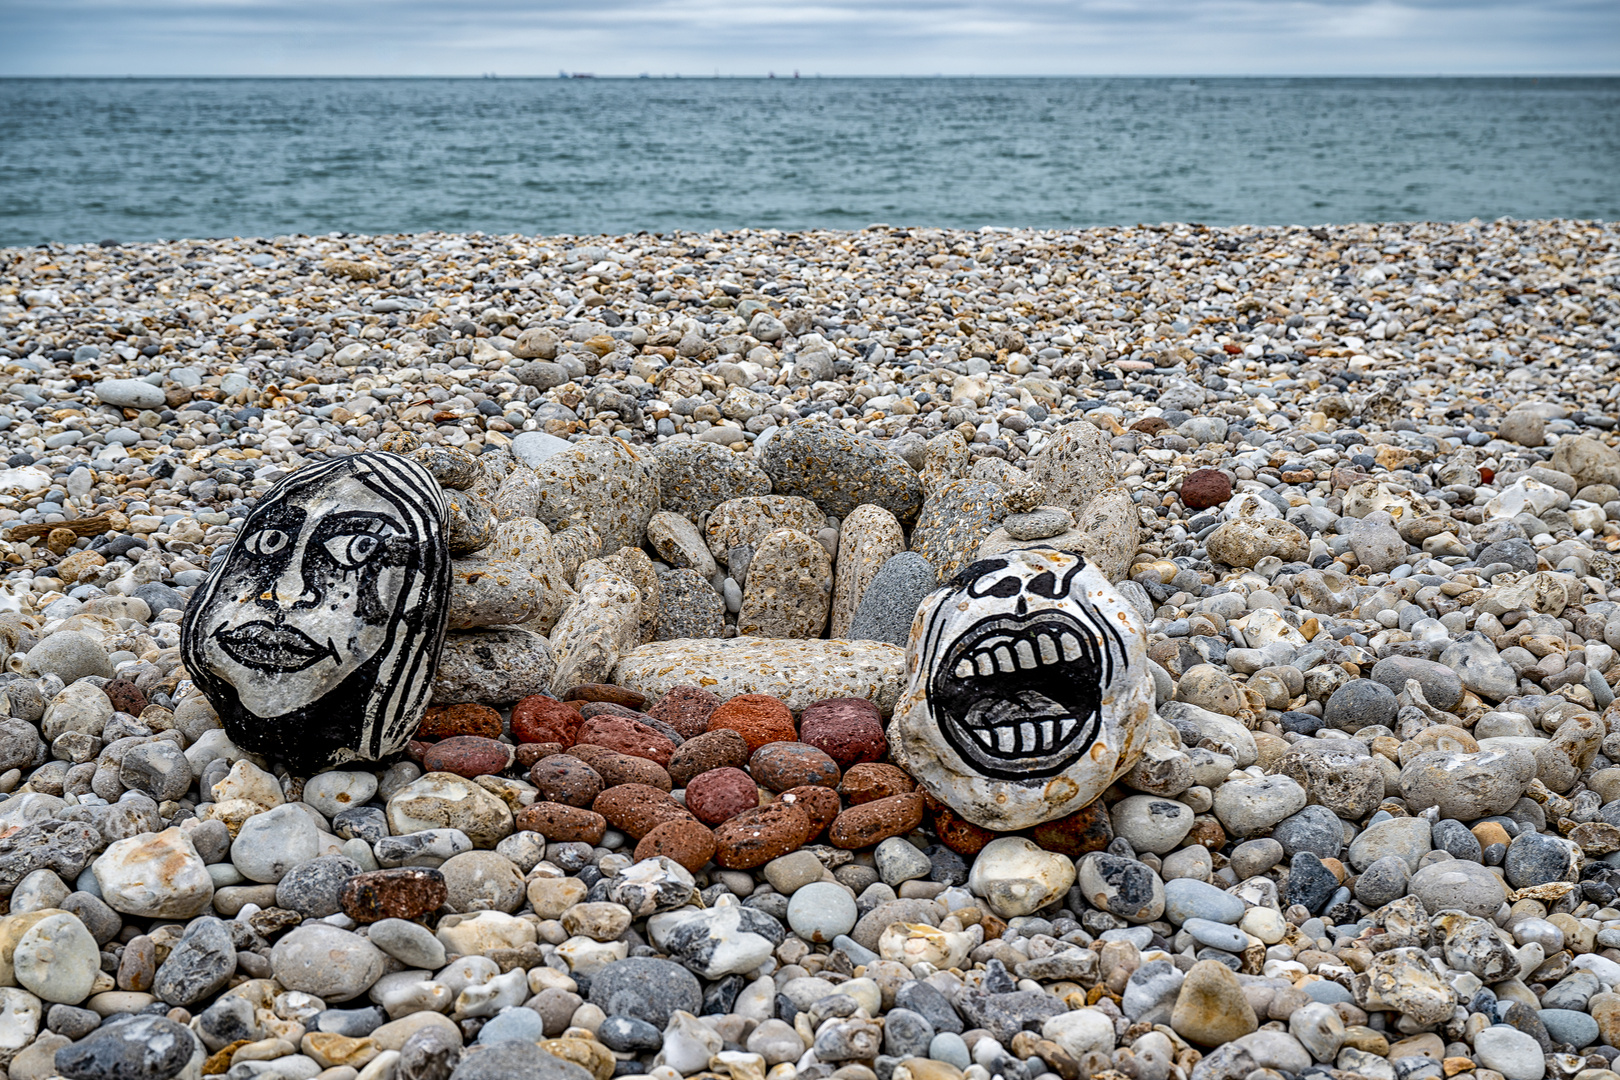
x=128 y=158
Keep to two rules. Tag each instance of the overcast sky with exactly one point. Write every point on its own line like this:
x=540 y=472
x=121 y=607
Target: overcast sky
x=829 y=37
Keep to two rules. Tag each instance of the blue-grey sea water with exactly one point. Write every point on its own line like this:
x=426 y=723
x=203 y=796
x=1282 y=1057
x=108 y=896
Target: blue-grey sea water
x=133 y=159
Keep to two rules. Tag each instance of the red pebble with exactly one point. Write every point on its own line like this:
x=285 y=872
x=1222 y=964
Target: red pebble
x=467 y=755
x=543 y=719
x=686 y=708
x=848 y=730
x=758 y=718
x=1205 y=488
x=721 y=794
x=627 y=737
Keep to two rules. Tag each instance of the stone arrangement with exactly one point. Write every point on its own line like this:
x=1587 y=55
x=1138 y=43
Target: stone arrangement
x=1354 y=490
x=317 y=636
x=1028 y=691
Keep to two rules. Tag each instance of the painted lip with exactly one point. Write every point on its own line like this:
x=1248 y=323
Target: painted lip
x=269 y=647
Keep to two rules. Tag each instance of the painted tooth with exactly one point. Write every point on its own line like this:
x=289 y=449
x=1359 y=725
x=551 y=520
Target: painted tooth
x=1046 y=733
x=1071 y=647
x=1026 y=654
x=1067 y=726
x=964 y=669
x=1027 y=741
x=1004 y=660
x=1049 y=653
x=986 y=665
x=1005 y=737
x=985 y=736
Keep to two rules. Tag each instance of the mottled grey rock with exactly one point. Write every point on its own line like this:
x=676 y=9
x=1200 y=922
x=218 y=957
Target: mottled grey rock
x=891 y=600
x=688 y=607
x=312 y=888
x=838 y=470
x=600 y=482
x=696 y=477
x=955 y=520
x=133 y=1048
x=198 y=966
x=1441 y=686
x=493 y=666
x=1360 y=703
x=646 y=988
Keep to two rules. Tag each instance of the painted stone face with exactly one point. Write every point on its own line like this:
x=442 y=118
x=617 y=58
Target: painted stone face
x=1028 y=692
x=317 y=638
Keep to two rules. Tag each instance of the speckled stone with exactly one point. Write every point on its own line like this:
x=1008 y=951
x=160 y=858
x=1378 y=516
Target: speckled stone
x=955 y=520
x=688 y=607
x=839 y=470
x=756 y=837
x=695 y=477
x=566 y=779
x=869 y=538
x=1074 y=465
x=685 y=708
x=492 y=666
x=891 y=600
x=712 y=750
x=721 y=794
x=783 y=765
x=600 y=482
x=689 y=843
x=848 y=730
x=748 y=521
x=789 y=588
x=561 y=823
x=798 y=672
x=543 y=719
x=465 y=718
x=759 y=718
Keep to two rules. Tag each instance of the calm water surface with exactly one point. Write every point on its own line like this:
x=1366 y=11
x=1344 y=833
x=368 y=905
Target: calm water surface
x=136 y=159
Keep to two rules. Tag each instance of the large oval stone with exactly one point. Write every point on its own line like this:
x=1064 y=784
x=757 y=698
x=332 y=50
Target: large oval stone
x=1028 y=689
x=317 y=637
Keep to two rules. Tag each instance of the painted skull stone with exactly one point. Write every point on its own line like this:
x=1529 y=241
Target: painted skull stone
x=317 y=637
x=1028 y=689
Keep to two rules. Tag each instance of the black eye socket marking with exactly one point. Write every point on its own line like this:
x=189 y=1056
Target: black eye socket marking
x=1006 y=587
x=974 y=571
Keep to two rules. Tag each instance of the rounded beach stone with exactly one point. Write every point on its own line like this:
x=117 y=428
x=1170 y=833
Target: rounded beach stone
x=481 y=881
x=871 y=823
x=467 y=718
x=541 y=719
x=364 y=538
x=562 y=823
x=759 y=718
x=314 y=889
x=468 y=755
x=607 y=694
x=685 y=708
x=636 y=809
x=136 y=1047
x=821 y=805
x=689 y=843
x=647 y=989
x=330 y=963
x=406 y=892
x=563 y=778
x=848 y=730
x=839 y=470
x=56 y=959
x=1204 y=488
x=821 y=911
x=711 y=750
x=1441 y=686
x=616 y=768
x=784 y=765
x=626 y=736
x=1030 y=667
x=756 y=837
x=721 y=794
x=871 y=781
x=891 y=599
x=1016 y=877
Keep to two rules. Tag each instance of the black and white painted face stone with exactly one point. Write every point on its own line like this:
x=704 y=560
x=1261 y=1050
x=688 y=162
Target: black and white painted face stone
x=317 y=637
x=1029 y=690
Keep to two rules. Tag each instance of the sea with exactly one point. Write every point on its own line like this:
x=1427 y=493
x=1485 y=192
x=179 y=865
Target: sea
x=84 y=160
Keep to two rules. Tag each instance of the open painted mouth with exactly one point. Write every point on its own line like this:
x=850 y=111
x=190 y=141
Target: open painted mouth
x=1019 y=696
x=269 y=647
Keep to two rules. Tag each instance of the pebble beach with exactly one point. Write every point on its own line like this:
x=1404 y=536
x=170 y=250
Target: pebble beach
x=1359 y=482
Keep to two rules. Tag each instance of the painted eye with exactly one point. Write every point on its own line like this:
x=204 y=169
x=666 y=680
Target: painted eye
x=267 y=542
x=352 y=549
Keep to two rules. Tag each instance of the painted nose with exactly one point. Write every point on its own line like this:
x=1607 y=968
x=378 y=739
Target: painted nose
x=289 y=590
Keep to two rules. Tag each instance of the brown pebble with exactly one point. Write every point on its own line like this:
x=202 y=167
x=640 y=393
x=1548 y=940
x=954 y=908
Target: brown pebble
x=543 y=719
x=530 y=752
x=139 y=964
x=563 y=778
x=616 y=768
x=758 y=836
x=712 y=750
x=955 y=831
x=721 y=794
x=562 y=823
x=617 y=695
x=406 y=892
x=125 y=697
x=1084 y=831
x=871 y=823
x=685 y=708
x=821 y=805
x=784 y=765
x=759 y=718
x=850 y=730
x=871 y=781
x=607 y=708
x=627 y=737
x=689 y=843
x=467 y=755
x=1206 y=831
x=636 y=809
x=1204 y=488
x=448 y=721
